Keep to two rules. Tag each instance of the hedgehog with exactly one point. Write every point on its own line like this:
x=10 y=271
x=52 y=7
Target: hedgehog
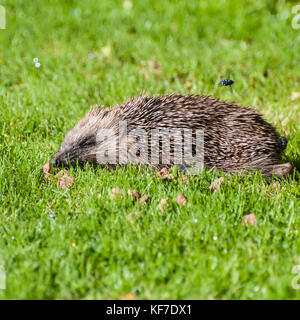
x=234 y=138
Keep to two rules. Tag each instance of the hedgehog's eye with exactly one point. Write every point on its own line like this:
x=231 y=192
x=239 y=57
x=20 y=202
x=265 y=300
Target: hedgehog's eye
x=86 y=143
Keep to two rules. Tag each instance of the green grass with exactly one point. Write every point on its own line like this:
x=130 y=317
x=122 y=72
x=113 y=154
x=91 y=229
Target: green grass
x=89 y=250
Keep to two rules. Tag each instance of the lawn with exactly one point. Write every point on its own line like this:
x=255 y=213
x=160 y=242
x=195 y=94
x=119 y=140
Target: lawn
x=79 y=243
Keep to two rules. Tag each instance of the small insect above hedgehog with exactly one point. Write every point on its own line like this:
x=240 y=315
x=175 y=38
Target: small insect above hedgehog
x=227 y=82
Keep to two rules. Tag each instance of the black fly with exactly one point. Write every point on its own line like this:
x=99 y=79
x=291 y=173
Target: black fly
x=227 y=82
x=283 y=142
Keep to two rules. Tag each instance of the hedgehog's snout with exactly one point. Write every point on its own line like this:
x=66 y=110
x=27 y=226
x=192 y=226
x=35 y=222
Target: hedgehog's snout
x=60 y=160
x=56 y=162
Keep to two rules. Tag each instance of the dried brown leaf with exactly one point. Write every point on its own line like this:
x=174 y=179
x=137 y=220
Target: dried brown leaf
x=46 y=170
x=181 y=200
x=60 y=174
x=216 y=184
x=250 y=219
x=116 y=192
x=165 y=174
x=144 y=199
x=65 y=181
x=133 y=194
x=185 y=179
x=276 y=185
x=163 y=203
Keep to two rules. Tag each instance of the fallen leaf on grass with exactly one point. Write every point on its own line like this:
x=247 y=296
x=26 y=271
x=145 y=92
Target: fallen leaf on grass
x=216 y=184
x=144 y=199
x=163 y=203
x=250 y=219
x=115 y=192
x=164 y=174
x=181 y=200
x=46 y=167
x=276 y=185
x=185 y=179
x=65 y=181
x=59 y=174
x=163 y=171
x=46 y=170
x=133 y=194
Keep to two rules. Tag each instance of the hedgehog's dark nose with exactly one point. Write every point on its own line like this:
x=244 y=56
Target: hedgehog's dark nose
x=59 y=160
x=55 y=162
